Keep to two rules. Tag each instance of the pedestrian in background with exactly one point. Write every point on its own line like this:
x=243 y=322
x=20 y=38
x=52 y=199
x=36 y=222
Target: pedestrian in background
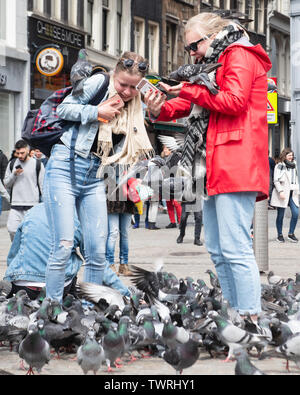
x=24 y=179
x=172 y=204
x=236 y=132
x=286 y=193
x=187 y=209
x=3 y=166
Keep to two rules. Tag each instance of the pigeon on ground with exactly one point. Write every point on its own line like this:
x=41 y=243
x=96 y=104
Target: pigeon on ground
x=114 y=346
x=5 y=288
x=233 y=336
x=34 y=350
x=275 y=279
x=244 y=367
x=90 y=354
x=182 y=356
x=197 y=73
x=80 y=71
x=214 y=281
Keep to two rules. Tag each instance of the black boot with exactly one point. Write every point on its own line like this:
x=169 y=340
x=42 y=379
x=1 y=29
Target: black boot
x=152 y=226
x=198 y=242
x=180 y=239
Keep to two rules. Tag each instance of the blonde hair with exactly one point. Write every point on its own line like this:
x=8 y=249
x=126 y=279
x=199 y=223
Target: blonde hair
x=135 y=68
x=206 y=23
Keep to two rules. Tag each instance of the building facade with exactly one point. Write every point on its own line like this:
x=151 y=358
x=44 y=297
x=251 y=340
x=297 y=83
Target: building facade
x=278 y=45
x=14 y=71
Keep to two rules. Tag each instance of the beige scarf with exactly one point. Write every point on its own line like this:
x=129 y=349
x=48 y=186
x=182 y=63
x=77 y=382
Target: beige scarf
x=130 y=123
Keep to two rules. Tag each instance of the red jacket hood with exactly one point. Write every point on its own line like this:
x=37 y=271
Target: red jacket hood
x=255 y=49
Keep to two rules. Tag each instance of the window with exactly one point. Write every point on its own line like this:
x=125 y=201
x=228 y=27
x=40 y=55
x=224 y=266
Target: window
x=139 y=36
x=7 y=111
x=260 y=16
x=105 y=11
x=80 y=13
x=90 y=9
x=250 y=11
x=65 y=10
x=171 y=43
x=119 y=26
x=47 y=8
x=2 y=20
x=30 y=5
x=153 y=46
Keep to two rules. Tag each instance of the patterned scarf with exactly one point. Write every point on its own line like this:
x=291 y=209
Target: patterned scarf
x=193 y=159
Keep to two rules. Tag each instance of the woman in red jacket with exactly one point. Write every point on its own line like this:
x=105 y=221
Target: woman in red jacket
x=234 y=133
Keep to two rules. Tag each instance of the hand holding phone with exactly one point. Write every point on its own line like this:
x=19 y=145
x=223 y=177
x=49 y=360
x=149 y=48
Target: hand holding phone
x=110 y=108
x=18 y=170
x=145 y=86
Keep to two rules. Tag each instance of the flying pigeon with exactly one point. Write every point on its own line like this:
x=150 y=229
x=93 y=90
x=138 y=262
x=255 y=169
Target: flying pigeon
x=90 y=354
x=34 y=350
x=197 y=73
x=80 y=71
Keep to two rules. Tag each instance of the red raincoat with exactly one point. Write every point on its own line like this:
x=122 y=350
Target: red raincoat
x=237 y=135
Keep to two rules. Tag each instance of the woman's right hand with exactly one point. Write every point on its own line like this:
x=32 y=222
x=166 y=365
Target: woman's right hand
x=154 y=101
x=282 y=195
x=107 y=111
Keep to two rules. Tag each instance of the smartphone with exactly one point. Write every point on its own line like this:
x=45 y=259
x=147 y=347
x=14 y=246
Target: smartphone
x=19 y=167
x=144 y=86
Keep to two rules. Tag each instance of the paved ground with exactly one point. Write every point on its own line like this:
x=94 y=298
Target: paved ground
x=182 y=260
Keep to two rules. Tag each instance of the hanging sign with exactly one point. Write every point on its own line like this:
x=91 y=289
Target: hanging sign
x=272 y=102
x=50 y=62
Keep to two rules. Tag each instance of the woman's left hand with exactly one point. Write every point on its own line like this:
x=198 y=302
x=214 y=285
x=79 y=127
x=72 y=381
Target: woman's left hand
x=172 y=90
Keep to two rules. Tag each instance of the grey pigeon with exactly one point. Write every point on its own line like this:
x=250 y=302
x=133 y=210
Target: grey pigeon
x=80 y=71
x=183 y=356
x=90 y=354
x=5 y=288
x=233 y=336
x=275 y=279
x=34 y=350
x=244 y=367
x=114 y=347
x=197 y=73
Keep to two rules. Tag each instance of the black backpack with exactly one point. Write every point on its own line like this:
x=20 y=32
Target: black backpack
x=43 y=128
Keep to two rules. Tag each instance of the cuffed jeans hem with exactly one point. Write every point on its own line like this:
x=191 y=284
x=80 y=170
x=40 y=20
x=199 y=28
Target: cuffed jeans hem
x=250 y=311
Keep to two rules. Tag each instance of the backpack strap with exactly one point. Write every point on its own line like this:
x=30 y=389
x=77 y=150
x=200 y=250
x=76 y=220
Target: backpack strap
x=11 y=166
x=95 y=101
x=37 y=170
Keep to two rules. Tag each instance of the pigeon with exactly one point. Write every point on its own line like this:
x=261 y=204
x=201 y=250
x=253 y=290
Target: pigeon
x=182 y=356
x=114 y=347
x=94 y=293
x=90 y=354
x=80 y=71
x=244 y=367
x=5 y=288
x=275 y=279
x=214 y=281
x=233 y=336
x=34 y=350
x=197 y=73
x=145 y=280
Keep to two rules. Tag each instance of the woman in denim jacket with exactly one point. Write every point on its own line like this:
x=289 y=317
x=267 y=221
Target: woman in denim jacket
x=28 y=256
x=92 y=152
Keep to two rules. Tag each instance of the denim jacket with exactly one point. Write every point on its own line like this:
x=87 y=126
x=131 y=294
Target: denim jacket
x=29 y=252
x=77 y=109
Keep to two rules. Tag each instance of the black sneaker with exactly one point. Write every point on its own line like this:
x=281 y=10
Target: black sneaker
x=280 y=239
x=292 y=238
x=171 y=226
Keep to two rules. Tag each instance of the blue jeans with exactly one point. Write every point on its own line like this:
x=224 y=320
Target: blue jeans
x=227 y=220
x=294 y=218
x=0 y=205
x=118 y=224
x=61 y=198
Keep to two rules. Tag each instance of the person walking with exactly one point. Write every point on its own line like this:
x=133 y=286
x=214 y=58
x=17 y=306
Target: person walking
x=233 y=128
x=24 y=179
x=187 y=209
x=97 y=126
x=286 y=193
x=172 y=204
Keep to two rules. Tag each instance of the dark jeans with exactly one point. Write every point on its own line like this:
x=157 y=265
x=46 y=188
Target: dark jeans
x=183 y=221
x=294 y=219
x=34 y=293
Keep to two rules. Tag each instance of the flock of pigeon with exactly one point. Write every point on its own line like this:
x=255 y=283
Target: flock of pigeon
x=170 y=318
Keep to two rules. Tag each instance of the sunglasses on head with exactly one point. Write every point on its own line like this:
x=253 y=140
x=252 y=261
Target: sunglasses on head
x=128 y=63
x=194 y=46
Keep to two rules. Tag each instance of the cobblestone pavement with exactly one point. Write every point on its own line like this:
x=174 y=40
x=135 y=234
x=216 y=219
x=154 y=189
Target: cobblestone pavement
x=184 y=259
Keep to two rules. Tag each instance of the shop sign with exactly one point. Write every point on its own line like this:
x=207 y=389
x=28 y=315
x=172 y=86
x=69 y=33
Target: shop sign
x=3 y=79
x=272 y=101
x=59 y=34
x=50 y=62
